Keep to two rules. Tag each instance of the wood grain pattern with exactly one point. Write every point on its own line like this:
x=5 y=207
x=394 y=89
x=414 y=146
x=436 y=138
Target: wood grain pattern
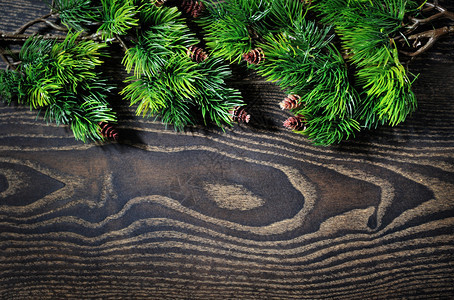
x=255 y=212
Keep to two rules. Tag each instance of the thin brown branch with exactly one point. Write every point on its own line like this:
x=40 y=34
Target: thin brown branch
x=31 y=23
x=122 y=43
x=433 y=35
x=55 y=26
x=12 y=37
x=6 y=60
x=443 y=14
x=441 y=9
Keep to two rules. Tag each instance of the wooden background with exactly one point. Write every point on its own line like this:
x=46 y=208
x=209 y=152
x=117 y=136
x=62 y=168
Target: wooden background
x=255 y=212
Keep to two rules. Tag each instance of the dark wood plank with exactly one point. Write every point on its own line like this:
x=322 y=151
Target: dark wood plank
x=255 y=212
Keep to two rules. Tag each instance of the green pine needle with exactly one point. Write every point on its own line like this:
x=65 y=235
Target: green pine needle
x=77 y=14
x=10 y=83
x=231 y=26
x=118 y=16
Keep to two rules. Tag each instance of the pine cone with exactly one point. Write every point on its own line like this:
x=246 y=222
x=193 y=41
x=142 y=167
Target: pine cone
x=197 y=54
x=159 y=3
x=290 y=102
x=192 y=7
x=238 y=114
x=108 y=131
x=255 y=56
x=295 y=123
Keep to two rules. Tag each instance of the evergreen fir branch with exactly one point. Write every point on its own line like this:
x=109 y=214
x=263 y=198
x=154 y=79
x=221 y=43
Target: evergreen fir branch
x=41 y=92
x=231 y=27
x=143 y=93
x=229 y=39
x=10 y=82
x=180 y=74
x=177 y=111
x=215 y=100
x=323 y=131
x=389 y=89
x=320 y=78
x=83 y=109
x=60 y=78
x=154 y=98
x=152 y=15
x=366 y=31
x=306 y=64
x=34 y=50
x=287 y=13
x=144 y=59
x=174 y=78
x=308 y=35
x=174 y=36
x=216 y=106
x=117 y=17
x=82 y=114
x=77 y=14
x=166 y=36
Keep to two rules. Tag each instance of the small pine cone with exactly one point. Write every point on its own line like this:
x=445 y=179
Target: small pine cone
x=255 y=56
x=290 y=102
x=192 y=7
x=159 y=3
x=108 y=131
x=197 y=54
x=238 y=114
x=295 y=123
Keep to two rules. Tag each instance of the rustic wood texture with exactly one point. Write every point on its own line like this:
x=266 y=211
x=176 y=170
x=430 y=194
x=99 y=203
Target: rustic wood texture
x=255 y=212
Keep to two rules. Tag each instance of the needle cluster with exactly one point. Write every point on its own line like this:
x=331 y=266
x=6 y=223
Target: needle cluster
x=169 y=80
x=340 y=57
x=61 y=81
x=338 y=61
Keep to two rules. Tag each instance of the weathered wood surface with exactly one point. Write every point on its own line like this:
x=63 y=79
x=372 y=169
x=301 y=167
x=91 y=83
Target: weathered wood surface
x=255 y=212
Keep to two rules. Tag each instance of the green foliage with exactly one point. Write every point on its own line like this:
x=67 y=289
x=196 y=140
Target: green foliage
x=214 y=99
x=307 y=64
x=166 y=35
x=77 y=14
x=343 y=63
x=83 y=110
x=232 y=26
x=155 y=93
x=366 y=30
x=60 y=78
x=117 y=16
x=166 y=83
x=286 y=14
x=323 y=131
x=388 y=88
x=10 y=82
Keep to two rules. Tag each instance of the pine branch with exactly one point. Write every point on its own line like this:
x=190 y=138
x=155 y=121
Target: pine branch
x=175 y=78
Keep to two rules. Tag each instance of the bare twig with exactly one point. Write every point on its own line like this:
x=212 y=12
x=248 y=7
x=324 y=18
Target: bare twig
x=433 y=35
x=122 y=43
x=12 y=37
x=8 y=63
x=443 y=14
x=52 y=6
x=38 y=20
